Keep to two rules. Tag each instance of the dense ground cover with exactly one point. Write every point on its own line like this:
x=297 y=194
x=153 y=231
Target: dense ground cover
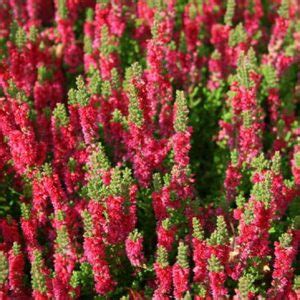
x=149 y=149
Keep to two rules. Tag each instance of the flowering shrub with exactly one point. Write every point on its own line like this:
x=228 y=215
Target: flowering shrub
x=149 y=149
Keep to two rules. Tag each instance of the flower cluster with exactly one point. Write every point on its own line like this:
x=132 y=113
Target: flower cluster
x=149 y=149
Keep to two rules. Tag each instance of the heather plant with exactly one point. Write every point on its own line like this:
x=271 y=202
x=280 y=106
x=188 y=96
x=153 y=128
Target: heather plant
x=149 y=149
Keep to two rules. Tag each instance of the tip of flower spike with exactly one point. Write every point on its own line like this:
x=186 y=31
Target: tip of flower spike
x=60 y=215
x=237 y=35
x=62 y=239
x=46 y=169
x=262 y=190
x=135 y=71
x=234 y=157
x=158 y=4
x=200 y=290
x=38 y=279
x=87 y=44
x=162 y=256
x=75 y=279
x=20 y=38
x=166 y=224
x=103 y=2
x=214 y=264
x=182 y=256
x=216 y=55
x=13 y=30
x=135 y=235
x=246 y=63
x=247 y=118
x=259 y=163
x=106 y=42
x=297 y=283
x=245 y=285
x=285 y=240
x=33 y=33
x=220 y=235
x=283 y=10
x=115 y=79
x=230 y=7
x=95 y=83
x=118 y=117
x=157 y=181
x=251 y=54
x=181 y=114
x=276 y=163
x=135 y=113
x=72 y=163
x=155 y=25
x=98 y=159
x=193 y=11
x=25 y=211
x=120 y=183
x=270 y=76
x=60 y=115
x=106 y=89
x=240 y=201
x=3 y=268
x=89 y=15
x=44 y=74
x=82 y=96
x=62 y=9
x=297 y=159
x=87 y=224
x=16 y=248
x=187 y=296
x=72 y=97
x=197 y=229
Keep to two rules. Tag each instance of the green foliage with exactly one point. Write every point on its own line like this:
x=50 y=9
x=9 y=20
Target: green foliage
x=44 y=74
x=83 y=278
x=240 y=201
